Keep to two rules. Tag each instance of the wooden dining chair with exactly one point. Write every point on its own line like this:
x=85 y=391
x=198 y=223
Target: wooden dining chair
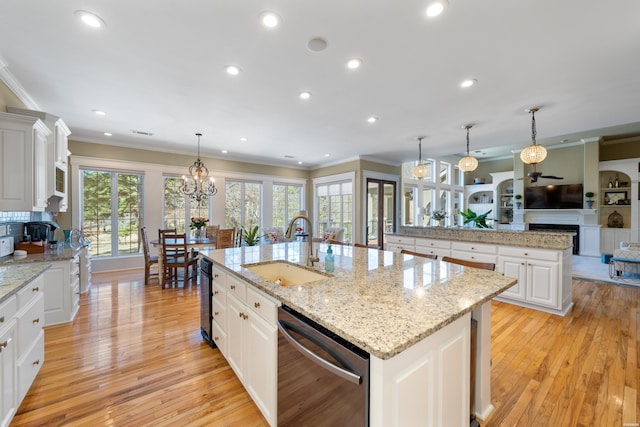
x=482 y=265
x=337 y=242
x=430 y=256
x=175 y=256
x=211 y=231
x=226 y=238
x=149 y=259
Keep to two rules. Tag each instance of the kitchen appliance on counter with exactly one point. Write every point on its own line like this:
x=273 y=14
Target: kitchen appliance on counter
x=322 y=378
x=40 y=230
x=206 y=315
x=6 y=245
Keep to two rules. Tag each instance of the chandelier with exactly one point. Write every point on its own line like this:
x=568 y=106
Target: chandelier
x=468 y=163
x=534 y=153
x=199 y=186
x=420 y=171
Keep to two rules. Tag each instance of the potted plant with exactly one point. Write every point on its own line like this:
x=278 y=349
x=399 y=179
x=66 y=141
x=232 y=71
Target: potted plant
x=518 y=202
x=589 y=196
x=250 y=236
x=478 y=221
x=197 y=224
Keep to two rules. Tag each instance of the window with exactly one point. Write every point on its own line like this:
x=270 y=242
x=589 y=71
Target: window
x=335 y=207
x=112 y=211
x=178 y=208
x=287 y=203
x=243 y=203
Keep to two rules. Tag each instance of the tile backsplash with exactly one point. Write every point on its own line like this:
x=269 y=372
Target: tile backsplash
x=12 y=223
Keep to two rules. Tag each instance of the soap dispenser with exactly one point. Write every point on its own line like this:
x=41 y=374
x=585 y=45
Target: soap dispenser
x=329 y=261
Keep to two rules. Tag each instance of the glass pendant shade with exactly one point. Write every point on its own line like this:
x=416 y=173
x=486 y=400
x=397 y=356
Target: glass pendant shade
x=420 y=171
x=468 y=163
x=534 y=153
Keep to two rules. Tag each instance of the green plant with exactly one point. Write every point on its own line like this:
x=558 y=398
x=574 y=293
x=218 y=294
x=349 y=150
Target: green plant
x=589 y=194
x=518 y=196
x=478 y=221
x=250 y=236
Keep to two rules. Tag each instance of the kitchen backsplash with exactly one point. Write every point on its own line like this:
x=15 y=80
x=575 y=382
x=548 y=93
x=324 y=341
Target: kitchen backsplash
x=12 y=223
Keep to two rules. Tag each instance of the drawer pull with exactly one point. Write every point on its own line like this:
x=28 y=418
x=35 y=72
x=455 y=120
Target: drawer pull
x=36 y=289
x=216 y=292
x=36 y=320
x=233 y=287
x=36 y=362
x=245 y=316
x=216 y=338
x=1 y=319
x=215 y=313
x=525 y=254
x=215 y=276
x=3 y=345
x=256 y=304
x=240 y=314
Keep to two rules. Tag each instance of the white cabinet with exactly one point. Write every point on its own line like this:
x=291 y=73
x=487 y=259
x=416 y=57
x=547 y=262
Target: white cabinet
x=244 y=328
x=85 y=269
x=433 y=247
x=476 y=252
x=397 y=243
x=56 y=157
x=23 y=163
x=8 y=357
x=544 y=277
x=61 y=291
x=610 y=238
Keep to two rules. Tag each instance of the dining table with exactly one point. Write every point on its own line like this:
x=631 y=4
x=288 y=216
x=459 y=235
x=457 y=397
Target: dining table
x=192 y=242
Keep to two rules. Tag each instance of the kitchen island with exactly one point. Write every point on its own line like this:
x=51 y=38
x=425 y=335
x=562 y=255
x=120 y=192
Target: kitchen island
x=411 y=314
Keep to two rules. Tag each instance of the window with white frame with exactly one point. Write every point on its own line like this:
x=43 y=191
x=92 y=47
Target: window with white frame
x=177 y=207
x=287 y=203
x=334 y=201
x=243 y=203
x=111 y=211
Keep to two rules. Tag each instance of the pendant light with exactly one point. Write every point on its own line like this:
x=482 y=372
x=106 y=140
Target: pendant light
x=534 y=153
x=468 y=163
x=420 y=171
x=198 y=186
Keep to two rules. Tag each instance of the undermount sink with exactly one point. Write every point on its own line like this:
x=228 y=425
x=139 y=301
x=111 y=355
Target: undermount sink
x=285 y=273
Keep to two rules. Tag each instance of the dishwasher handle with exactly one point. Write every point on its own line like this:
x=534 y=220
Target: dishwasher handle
x=342 y=373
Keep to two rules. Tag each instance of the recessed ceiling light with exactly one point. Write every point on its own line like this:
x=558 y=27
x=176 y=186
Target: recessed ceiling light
x=468 y=82
x=305 y=95
x=436 y=7
x=232 y=70
x=90 y=19
x=99 y=112
x=327 y=155
x=354 y=63
x=108 y=134
x=372 y=119
x=300 y=162
x=244 y=139
x=224 y=151
x=269 y=19
x=317 y=44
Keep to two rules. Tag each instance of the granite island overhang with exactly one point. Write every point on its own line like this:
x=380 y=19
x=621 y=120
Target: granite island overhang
x=406 y=311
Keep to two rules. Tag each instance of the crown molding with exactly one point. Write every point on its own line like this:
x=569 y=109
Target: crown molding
x=14 y=85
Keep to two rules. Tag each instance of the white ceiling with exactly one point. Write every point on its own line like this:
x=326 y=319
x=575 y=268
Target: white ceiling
x=158 y=67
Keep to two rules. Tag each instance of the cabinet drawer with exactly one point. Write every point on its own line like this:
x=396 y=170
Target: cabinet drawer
x=219 y=293
x=476 y=257
x=393 y=247
x=474 y=247
x=218 y=277
x=422 y=244
x=29 y=292
x=219 y=338
x=29 y=366
x=528 y=253
x=30 y=321
x=8 y=310
x=237 y=287
x=263 y=305
x=401 y=240
x=219 y=312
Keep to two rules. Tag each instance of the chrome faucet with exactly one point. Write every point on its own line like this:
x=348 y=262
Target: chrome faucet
x=302 y=215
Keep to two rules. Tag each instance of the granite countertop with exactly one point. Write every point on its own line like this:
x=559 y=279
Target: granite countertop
x=383 y=302
x=48 y=256
x=560 y=240
x=15 y=277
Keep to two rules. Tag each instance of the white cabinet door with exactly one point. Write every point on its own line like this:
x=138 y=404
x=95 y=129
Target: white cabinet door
x=235 y=335
x=8 y=372
x=516 y=268
x=262 y=365
x=610 y=238
x=543 y=283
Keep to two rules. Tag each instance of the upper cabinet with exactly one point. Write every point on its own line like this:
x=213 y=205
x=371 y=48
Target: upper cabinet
x=57 y=153
x=23 y=163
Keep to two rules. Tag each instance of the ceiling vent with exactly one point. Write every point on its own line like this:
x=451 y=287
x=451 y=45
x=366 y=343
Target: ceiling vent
x=141 y=132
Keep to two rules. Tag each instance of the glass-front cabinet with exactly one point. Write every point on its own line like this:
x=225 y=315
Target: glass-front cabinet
x=506 y=202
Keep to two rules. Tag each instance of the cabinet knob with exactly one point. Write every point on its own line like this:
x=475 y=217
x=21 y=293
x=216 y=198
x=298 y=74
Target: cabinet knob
x=473 y=257
x=216 y=292
x=522 y=263
x=256 y=304
x=36 y=320
x=215 y=276
x=246 y=317
x=233 y=287
x=241 y=316
x=1 y=319
x=215 y=313
x=526 y=254
x=36 y=289
x=4 y=345
x=216 y=338
x=472 y=248
x=36 y=362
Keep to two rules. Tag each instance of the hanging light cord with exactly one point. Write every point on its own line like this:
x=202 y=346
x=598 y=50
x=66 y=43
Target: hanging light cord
x=533 y=126
x=420 y=150
x=468 y=127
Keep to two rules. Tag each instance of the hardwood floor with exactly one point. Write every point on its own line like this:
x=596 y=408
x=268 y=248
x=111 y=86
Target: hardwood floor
x=134 y=356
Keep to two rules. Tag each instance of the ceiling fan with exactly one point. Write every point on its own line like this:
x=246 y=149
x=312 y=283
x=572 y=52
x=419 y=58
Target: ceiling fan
x=534 y=175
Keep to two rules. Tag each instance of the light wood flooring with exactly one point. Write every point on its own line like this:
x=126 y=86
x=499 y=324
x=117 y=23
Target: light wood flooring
x=134 y=356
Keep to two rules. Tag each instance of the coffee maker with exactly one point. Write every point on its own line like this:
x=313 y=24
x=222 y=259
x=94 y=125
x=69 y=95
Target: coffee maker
x=39 y=230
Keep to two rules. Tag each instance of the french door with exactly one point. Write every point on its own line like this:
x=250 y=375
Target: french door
x=381 y=209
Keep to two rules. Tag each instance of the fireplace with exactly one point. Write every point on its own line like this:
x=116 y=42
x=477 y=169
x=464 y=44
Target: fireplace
x=559 y=228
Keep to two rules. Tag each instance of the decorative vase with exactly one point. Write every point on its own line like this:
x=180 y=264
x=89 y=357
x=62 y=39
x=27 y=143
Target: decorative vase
x=589 y=204
x=198 y=233
x=518 y=205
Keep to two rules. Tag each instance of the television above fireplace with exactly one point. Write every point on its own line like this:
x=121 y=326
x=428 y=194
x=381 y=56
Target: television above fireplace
x=569 y=196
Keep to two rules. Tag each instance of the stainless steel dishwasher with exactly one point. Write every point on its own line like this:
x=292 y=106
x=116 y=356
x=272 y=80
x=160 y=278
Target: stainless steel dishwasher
x=323 y=380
